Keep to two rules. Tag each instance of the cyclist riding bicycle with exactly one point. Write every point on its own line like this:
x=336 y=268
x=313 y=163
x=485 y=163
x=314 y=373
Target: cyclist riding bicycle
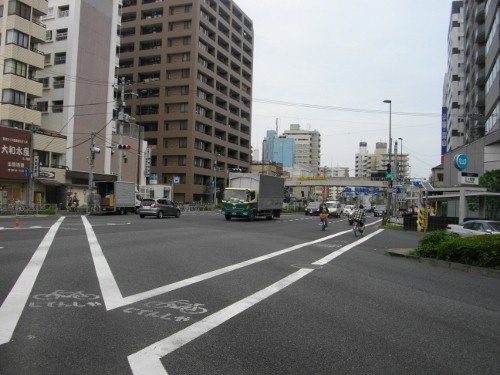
x=359 y=216
x=323 y=214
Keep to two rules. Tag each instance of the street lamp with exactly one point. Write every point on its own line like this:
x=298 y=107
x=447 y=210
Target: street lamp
x=389 y=183
x=401 y=161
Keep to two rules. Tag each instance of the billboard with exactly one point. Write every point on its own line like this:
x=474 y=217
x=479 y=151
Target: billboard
x=14 y=154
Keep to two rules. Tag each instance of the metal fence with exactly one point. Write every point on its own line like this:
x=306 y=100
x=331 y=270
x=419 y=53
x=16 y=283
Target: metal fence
x=18 y=209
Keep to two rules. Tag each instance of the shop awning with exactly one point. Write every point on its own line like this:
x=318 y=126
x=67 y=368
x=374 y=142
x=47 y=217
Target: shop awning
x=49 y=182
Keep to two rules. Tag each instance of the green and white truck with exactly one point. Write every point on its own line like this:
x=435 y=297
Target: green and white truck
x=251 y=195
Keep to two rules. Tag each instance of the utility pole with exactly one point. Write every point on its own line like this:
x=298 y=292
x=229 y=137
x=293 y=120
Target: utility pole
x=121 y=116
x=93 y=150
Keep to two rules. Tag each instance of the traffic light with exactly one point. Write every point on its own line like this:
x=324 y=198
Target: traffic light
x=123 y=147
x=388 y=175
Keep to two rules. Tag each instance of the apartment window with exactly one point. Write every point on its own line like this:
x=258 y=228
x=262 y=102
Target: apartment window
x=183 y=143
x=184 y=108
x=186 y=56
x=181 y=160
x=43 y=106
x=187 y=24
x=47 y=58
x=63 y=11
x=15 y=67
x=1 y=10
x=18 y=38
x=62 y=34
x=57 y=106
x=186 y=40
x=19 y=9
x=15 y=97
x=58 y=82
x=60 y=58
x=188 y=8
x=48 y=35
x=183 y=125
x=50 y=13
x=45 y=82
x=185 y=90
x=185 y=73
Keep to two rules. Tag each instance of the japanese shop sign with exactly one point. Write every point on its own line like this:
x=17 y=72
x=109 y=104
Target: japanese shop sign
x=14 y=153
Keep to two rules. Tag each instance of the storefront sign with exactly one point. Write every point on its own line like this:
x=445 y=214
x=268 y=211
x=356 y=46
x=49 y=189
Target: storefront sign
x=14 y=153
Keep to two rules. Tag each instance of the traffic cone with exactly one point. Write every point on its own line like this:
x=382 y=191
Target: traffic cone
x=17 y=223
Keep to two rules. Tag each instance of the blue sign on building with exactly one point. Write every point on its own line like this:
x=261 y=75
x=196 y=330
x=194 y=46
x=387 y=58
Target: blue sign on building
x=461 y=161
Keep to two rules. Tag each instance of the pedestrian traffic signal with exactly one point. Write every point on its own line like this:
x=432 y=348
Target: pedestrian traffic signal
x=388 y=175
x=123 y=147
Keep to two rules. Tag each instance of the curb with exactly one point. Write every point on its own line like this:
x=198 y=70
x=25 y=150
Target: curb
x=405 y=253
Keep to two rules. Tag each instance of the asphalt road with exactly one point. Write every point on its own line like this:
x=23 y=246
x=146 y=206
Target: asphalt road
x=202 y=295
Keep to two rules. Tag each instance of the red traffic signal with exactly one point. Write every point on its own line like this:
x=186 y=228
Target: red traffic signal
x=123 y=147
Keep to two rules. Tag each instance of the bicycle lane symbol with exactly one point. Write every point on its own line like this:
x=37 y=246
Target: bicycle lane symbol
x=157 y=309
x=62 y=298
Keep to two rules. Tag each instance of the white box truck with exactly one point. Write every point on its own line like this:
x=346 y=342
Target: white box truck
x=251 y=195
x=117 y=197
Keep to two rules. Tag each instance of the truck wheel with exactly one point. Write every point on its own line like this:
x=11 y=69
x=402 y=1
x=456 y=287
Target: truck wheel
x=159 y=215
x=270 y=217
x=228 y=217
x=251 y=217
x=123 y=211
x=177 y=213
x=142 y=216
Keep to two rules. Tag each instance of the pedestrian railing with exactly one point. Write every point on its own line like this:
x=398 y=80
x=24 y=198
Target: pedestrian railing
x=17 y=209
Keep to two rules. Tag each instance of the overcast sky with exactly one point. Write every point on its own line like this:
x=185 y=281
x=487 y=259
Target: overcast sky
x=332 y=63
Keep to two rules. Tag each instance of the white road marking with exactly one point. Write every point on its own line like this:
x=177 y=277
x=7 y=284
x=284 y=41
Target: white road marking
x=13 y=306
x=109 y=288
x=113 y=298
x=148 y=360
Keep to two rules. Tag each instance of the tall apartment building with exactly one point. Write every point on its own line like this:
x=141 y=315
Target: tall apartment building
x=480 y=107
x=79 y=85
x=22 y=33
x=190 y=64
x=453 y=88
x=307 y=147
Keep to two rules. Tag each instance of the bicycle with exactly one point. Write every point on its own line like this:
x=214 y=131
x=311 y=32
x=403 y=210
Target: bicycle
x=324 y=223
x=357 y=228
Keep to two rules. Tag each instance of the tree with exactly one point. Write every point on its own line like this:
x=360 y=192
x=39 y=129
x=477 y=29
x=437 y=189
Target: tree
x=491 y=181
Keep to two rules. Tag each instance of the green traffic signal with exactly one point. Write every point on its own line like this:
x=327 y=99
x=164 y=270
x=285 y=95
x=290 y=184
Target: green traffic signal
x=388 y=176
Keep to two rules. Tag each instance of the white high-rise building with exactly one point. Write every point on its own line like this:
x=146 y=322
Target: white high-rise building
x=307 y=146
x=79 y=83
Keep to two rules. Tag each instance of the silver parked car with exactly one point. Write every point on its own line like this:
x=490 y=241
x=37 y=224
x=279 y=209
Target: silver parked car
x=158 y=207
x=474 y=228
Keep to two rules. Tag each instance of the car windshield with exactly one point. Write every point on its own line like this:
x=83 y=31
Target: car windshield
x=313 y=205
x=380 y=207
x=238 y=195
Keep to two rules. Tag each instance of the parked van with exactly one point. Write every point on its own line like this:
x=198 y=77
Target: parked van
x=334 y=208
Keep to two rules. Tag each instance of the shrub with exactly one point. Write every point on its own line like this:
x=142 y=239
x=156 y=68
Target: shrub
x=47 y=211
x=479 y=251
x=428 y=245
